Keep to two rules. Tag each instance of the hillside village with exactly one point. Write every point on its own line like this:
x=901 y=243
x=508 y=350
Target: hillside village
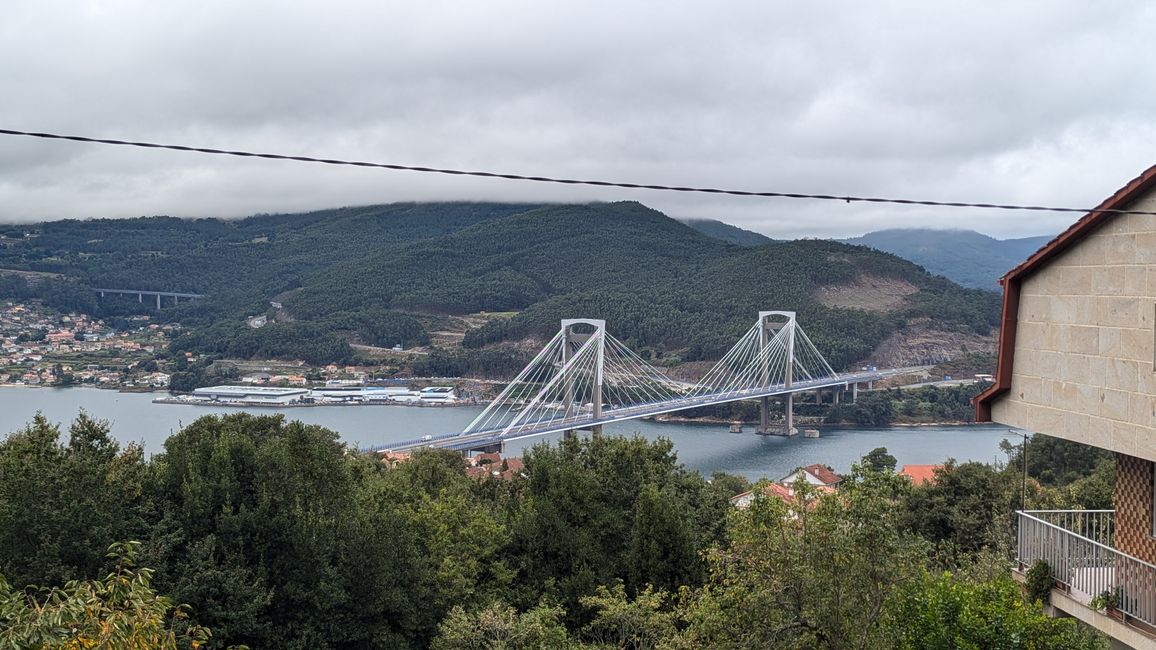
x=39 y=347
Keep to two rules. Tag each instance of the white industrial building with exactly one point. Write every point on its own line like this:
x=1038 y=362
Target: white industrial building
x=251 y=394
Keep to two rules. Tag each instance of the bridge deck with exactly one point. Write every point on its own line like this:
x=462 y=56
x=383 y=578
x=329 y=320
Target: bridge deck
x=462 y=442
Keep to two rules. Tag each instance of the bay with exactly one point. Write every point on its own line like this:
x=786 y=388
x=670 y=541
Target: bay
x=705 y=448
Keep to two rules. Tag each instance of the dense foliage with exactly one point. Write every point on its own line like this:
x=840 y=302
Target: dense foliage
x=119 y=611
x=926 y=404
x=276 y=535
x=357 y=274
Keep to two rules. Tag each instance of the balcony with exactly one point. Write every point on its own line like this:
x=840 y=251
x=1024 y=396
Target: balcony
x=1078 y=546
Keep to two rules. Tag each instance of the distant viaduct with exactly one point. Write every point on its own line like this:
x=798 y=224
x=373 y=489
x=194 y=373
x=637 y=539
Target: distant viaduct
x=140 y=294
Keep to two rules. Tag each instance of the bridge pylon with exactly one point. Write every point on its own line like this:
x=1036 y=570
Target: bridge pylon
x=574 y=383
x=572 y=342
x=777 y=326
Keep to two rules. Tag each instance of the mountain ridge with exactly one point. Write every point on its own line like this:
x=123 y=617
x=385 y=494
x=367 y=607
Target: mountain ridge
x=391 y=273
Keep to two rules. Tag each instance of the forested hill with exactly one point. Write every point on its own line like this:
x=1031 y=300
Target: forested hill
x=727 y=232
x=385 y=274
x=970 y=258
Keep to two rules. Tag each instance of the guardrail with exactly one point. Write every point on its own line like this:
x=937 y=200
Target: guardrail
x=1076 y=545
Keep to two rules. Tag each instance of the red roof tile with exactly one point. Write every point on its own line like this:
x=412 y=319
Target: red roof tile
x=489 y=458
x=824 y=474
x=920 y=474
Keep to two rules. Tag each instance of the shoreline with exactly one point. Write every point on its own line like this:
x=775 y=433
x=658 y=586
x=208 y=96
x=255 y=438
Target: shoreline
x=244 y=404
x=809 y=422
x=662 y=419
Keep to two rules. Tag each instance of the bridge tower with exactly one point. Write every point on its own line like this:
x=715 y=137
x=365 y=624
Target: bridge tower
x=572 y=342
x=769 y=326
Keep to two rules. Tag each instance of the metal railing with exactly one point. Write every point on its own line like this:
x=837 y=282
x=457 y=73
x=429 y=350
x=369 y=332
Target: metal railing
x=1082 y=560
x=1097 y=525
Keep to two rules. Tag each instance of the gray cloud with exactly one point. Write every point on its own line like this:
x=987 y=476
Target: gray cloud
x=1035 y=102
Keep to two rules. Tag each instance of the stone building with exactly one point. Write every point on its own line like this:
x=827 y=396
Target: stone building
x=1076 y=362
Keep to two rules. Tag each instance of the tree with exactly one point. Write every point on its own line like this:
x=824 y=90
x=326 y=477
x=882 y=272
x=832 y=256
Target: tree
x=279 y=538
x=60 y=505
x=663 y=544
x=500 y=627
x=461 y=535
x=643 y=623
x=941 y=612
x=813 y=573
x=878 y=460
x=120 y=611
x=603 y=509
x=729 y=485
x=968 y=505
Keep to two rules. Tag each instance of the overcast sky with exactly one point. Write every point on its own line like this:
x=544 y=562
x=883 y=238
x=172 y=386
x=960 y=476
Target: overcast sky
x=1050 y=102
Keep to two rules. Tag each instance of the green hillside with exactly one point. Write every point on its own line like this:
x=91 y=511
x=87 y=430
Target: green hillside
x=727 y=232
x=390 y=274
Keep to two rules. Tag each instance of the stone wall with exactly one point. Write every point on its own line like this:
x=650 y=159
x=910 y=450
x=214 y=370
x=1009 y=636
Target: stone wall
x=1083 y=367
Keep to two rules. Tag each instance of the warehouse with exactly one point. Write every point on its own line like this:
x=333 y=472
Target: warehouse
x=251 y=394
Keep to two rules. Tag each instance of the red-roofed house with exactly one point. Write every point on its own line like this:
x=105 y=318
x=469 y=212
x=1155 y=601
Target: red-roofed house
x=920 y=474
x=478 y=472
x=514 y=467
x=779 y=491
x=770 y=490
x=393 y=458
x=1076 y=362
x=490 y=458
x=814 y=474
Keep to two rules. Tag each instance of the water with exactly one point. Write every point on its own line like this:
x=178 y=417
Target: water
x=706 y=448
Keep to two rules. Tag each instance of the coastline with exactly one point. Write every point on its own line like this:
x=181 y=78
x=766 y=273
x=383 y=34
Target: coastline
x=810 y=422
x=239 y=403
x=170 y=399
x=661 y=419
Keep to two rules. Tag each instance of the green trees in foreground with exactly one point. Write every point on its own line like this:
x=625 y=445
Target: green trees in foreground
x=119 y=611
x=276 y=535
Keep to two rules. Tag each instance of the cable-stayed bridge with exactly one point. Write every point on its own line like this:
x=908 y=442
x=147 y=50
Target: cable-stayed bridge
x=585 y=378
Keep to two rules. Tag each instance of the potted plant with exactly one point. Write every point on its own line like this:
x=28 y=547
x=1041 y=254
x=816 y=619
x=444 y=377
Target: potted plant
x=1109 y=601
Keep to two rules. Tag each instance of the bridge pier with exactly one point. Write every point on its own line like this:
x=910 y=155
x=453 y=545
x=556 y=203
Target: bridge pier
x=572 y=342
x=767 y=331
x=158 y=301
x=595 y=431
x=495 y=448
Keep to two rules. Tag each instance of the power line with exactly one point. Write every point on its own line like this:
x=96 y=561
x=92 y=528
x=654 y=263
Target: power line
x=566 y=181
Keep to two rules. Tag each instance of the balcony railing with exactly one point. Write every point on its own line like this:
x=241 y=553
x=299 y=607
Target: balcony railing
x=1077 y=545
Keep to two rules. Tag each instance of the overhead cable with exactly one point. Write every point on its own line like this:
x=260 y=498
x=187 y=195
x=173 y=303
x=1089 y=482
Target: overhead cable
x=569 y=181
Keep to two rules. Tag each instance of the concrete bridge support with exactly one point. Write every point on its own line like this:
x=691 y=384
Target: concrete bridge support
x=573 y=341
x=496 y=448
x=768 y=328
